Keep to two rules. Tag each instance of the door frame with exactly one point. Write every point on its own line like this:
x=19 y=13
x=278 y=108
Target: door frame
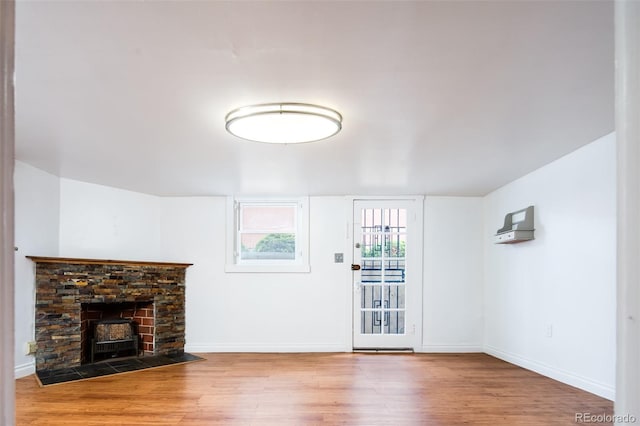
x=418 y=302
x=7 y=150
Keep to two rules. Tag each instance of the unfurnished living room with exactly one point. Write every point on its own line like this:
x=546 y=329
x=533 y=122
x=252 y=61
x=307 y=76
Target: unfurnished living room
x=320 y=212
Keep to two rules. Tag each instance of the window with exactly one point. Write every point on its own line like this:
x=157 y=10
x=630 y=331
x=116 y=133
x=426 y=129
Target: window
x=267 y=235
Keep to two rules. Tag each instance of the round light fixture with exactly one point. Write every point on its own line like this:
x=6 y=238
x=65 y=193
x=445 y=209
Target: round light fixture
x=283 y=122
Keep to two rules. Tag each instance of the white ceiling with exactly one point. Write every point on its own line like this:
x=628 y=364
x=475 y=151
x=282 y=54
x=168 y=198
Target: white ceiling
x=449 y=98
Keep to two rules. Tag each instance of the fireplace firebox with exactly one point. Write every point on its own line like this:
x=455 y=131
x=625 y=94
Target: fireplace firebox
x=102 y=324
x=113 y=337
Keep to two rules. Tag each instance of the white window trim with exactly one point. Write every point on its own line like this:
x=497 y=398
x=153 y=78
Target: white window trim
x=300 y=265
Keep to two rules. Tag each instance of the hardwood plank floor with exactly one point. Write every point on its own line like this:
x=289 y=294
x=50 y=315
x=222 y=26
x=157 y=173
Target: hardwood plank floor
x=313 y=388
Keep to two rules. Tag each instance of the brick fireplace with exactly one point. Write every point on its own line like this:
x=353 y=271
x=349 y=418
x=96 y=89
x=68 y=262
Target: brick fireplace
x=70 y=293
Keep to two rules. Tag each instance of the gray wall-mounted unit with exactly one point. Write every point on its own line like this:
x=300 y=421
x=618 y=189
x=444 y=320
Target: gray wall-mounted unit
x=518 y=227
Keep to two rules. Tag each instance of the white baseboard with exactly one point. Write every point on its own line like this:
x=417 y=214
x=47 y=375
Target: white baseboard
x=451 y=349
x=24 y=370
x=601 y=389
x=207 y=347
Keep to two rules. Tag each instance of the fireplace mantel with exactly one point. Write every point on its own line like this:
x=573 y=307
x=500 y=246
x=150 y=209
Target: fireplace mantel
x=64 y=285
x=79 y=261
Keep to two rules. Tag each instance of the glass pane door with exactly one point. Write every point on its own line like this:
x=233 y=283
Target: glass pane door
x=380 y=283
x=383 y=271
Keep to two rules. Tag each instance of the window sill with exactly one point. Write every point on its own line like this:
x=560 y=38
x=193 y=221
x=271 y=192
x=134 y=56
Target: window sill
x=233 y=268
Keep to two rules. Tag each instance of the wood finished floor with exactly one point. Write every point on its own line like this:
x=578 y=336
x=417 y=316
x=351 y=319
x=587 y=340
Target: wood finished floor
x=311 y=389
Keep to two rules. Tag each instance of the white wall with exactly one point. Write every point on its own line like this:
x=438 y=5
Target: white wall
x=225 y=311
x=258 y=311
x=101 y=222
x=453 y=270
x=563 y=282
x=37 y=198
x=269 y=311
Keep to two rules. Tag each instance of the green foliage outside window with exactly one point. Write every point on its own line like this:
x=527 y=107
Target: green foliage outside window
x=392 y=249
x=277 y=243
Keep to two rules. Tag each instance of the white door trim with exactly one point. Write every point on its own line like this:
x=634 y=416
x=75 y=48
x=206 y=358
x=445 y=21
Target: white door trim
x=627 y=38
x=7 y=381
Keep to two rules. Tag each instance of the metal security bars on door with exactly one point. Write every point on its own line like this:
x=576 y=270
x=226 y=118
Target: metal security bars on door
x=383 y=250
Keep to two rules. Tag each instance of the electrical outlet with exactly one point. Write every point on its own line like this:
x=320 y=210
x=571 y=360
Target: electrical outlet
x=30 y=348
x=338 y=257
x=549 y=330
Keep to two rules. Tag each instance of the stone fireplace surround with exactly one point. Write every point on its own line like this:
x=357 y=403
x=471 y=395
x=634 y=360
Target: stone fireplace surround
x=64 y=285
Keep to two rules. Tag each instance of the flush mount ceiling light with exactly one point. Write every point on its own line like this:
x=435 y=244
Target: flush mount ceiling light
x=283 y=122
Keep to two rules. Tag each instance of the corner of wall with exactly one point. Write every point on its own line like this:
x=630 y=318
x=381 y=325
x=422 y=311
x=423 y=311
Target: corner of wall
x=37 y=215
x=546 y=299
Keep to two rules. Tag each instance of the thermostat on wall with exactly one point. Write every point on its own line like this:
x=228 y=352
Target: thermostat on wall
x=518 y=227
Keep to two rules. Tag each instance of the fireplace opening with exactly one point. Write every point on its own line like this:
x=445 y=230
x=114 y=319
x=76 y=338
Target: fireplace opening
x=116 y=329
x=113 y=337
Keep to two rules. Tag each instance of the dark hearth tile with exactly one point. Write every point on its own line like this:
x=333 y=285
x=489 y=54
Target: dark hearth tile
x=59 y=378
x=56 y=373
x=184 y=357
x=95 y=370
x=105 y=368
x=123 y=363
x=129 y=367
x=156 y=361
